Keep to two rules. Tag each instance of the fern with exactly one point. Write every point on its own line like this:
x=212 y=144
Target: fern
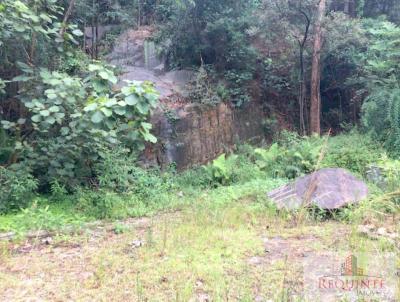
x=381 y=109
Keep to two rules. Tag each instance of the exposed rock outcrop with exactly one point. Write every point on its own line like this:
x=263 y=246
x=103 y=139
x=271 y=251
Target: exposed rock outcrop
x=195 y=134
x=136 y=55
x=329 y=188
x=188 y=134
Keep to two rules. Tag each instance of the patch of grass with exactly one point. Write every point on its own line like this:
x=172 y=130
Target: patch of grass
x=43 y=215
x=232 y=252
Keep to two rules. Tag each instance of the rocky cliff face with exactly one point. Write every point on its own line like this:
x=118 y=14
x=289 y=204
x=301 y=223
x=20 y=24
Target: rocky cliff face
x=136 y=55
x=194 y=134
x=188 y=134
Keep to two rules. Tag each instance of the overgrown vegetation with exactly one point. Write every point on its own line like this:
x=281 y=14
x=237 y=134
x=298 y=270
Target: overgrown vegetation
x=126 y=191
x=72 y=137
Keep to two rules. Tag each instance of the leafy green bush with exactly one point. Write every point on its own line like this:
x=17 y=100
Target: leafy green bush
x=389 y=170
x=291 y=157
x=225 y=170
x=114 y=170
x=6 y=147
x=221 y=170
x=294 y=155
x=381 y=83
x=73 y=119
x=266 y=159
x=216 y=33
x=197 y=177
x=118 y=172
x=352 y=151
x=17 y=187
x=201 y=90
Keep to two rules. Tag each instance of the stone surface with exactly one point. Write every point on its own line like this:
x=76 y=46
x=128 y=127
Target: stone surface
x=136 y=55
x=193 y=134
x=329 y=188
x=91 y=34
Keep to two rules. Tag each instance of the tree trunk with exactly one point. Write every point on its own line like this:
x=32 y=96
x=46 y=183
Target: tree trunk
x=346 y=8
x=303 y=87
x=66 y=17
x=315 y=110
x=139 y=13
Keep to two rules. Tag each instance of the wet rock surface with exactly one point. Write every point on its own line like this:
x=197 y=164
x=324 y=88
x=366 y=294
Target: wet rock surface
x=136 y=55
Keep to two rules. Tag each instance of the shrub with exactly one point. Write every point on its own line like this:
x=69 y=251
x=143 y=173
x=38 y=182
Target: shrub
x=388 y=171
x=201 y=90
x=118 y=172
x=101 y=204
x=197 y=177
x=291 y=157
x=225 y=170
x=221 y=170
x=352 y=151
x=73 y=119
x=17 y=187
x=114 y=170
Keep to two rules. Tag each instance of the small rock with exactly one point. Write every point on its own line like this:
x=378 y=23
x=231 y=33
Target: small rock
x=203 y=297
x=47 y=240
x=365 y=229
x=164 y=279
x=259 y=299
x=137 y=244
x=255 y=260
x=393 y=235
x=199 y=283
x=381 y=232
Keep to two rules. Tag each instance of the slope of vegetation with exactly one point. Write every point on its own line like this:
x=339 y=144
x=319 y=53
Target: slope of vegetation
x=327 y=74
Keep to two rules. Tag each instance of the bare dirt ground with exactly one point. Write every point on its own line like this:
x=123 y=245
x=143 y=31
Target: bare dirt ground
x=230 y=254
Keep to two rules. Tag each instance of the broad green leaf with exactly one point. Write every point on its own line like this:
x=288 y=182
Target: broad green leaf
x=51 y=120
x=110 y=103
x=107 y=112
x=147 y=126
x=143 y=108
x=22 y=78
x=131 y=100
x=64 y=130
x=77 y=32
x=44 y=113
x=90 y=107
x=54 y=109
x=104 y=75
x=36 y=118
x=120 y=110
x=97 y=117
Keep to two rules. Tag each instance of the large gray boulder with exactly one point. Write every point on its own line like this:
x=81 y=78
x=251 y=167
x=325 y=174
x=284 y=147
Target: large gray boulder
x=330 y=188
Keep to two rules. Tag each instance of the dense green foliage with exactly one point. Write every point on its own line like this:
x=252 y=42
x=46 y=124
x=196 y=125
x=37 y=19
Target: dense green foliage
x=213 y=33
x=68 y=128
x=59 y=112
x=381 y=109
x=17 y=187
x=126 y=191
